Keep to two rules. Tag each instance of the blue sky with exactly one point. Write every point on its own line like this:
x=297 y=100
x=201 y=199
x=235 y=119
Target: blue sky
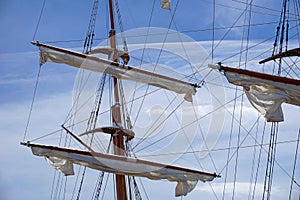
x=23 y=175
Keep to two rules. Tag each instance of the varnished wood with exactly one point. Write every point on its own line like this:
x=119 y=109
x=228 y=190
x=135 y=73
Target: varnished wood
x=118 y=140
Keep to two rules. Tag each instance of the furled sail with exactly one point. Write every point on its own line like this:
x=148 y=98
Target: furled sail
x=186 y=178
x=58 y=55
x=265 y=92
x=289 y=53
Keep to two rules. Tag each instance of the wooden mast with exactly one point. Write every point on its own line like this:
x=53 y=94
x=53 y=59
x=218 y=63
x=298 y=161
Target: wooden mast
x=118 y=140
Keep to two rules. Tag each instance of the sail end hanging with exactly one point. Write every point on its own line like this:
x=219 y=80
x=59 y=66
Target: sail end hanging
x=63 y=159
x=265 y=92
x=89 y=62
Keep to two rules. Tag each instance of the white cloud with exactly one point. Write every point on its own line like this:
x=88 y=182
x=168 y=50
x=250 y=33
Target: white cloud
x=20 y=171
x=242 y=190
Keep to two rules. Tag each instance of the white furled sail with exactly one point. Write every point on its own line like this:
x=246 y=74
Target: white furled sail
x=264 y=91
x=58 y=55
x=288 y=53
x=186 y=178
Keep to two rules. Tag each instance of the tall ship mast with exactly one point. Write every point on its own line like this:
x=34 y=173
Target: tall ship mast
x=118 y=140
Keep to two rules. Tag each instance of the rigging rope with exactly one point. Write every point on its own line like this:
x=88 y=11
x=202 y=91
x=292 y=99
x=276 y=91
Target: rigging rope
x=98 y=186
x=39 y=20
x=229 y=143
x=136 y=190
x=195 y=121
x=182 y=31
x=57 y=186
x=143 y=52
x=100 y=178
x=238 y=145
x=141 y=183
x=125 y=48
x=294 y=167
x=258 y=144
x=249 y=9
x=87 y=47
x=213 y=30
x=88 y=43
x=259 y=159
x=90 y=126
x=129 y=189
x=81 y=183
x=246 y=34
x=228 y=31
x=283 y=26
x=270 y=162
x=32 y=102
x=156 y=63
x=133 y=183
x=106 y=183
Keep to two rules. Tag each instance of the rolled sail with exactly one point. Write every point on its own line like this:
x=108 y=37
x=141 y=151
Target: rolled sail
x=58 y=55
x=186 y=178
x=264 y=91
x=288 y=53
